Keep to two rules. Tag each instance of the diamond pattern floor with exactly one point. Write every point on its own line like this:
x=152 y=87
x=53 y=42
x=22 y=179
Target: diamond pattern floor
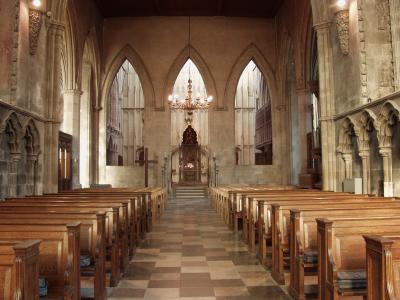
x=191 y=254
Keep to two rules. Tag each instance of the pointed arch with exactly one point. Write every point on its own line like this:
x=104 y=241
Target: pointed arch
x=387 y=118
x=348 y=128
x=129 y=54
x=250 y=53
x=14 y=130
x=176 y=67
x=69 y=50
x=32 y=137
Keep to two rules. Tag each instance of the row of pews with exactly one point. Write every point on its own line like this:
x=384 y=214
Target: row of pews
x=72 y=245
x=335 y=245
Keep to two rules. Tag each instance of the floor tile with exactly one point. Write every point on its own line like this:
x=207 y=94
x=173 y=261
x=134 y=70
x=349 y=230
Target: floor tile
x=191 y=254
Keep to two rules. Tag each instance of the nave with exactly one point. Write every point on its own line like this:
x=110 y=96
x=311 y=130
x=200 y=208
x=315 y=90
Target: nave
x=192 y=254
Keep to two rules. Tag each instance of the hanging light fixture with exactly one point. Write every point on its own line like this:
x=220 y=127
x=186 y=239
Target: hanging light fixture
x=189 y=103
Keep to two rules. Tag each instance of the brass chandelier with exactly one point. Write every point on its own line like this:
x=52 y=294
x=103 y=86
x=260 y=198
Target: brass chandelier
x=189 y=103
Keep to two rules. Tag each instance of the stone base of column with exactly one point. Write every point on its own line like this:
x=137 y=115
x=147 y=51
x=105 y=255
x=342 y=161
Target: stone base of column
x=388 y=189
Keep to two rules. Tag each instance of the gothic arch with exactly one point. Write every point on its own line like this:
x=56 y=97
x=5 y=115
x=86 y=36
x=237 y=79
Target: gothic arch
x=31 y=133
x=366 y=123
x=13 y=129
x=69 y=50
x=91 y=55
x=128 y=53
x=176 y=67
x=304 y=46
x=388 y=115
x=250 y=53
x=347 y=129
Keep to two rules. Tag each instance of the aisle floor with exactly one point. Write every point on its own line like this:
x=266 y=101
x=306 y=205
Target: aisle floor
x=192 y=254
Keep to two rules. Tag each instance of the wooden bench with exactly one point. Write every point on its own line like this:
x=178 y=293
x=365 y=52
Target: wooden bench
x=280 y=229
x=19 y=270
x=58 y=254
x=154 y=199
x=256 y=213
x=341 y=253
x=92 y=243
x=261 y=224
x=383 y=258
x=303 y=241
x=114 y=247
x=131 y=210
x=247 y=202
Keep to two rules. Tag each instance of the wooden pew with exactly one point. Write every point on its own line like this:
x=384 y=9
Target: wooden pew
x=303 y=241
x=149 y=199
x=280 y=229
x=247 y=202
x=383 y=257
x=130 y=202
x=113 y=233
x=341 y=253
x=155 y=199
x=259 y=219
x=92 y=242
x=58 y=253
x=19 y=270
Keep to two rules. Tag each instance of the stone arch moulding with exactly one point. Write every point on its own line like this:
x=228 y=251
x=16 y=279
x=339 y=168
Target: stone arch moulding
x=91 y=54
x=31 y=126
x=10 y=117
x=128 y=53
x=389 y=112
x=345 y=143
x=366 y=122
x=176 y=67
x=250 y=53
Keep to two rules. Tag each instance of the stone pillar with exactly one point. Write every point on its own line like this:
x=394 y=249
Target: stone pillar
x=348 y=165
x=366 y=170
x=13 y=174
x=53 y=110
x=71 y=125
x=386 y=153
x=327 y=100
x=303 y=97
x=395 y=27
x=31 y=174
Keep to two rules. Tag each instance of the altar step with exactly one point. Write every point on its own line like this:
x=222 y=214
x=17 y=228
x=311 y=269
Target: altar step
x=190 y=192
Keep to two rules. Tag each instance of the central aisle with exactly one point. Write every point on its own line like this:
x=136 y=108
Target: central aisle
x=192 y=254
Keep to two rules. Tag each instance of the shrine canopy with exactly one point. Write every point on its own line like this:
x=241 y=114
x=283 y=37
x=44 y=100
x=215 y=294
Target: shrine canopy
x=189 y=136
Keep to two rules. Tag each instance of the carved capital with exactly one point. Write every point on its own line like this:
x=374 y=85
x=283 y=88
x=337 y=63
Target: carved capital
x=342 y=26
x=35 y=24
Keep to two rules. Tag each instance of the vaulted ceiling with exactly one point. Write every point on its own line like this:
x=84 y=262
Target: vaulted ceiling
x=229 y=8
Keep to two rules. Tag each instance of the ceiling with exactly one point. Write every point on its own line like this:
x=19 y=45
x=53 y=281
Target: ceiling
x=229 y=8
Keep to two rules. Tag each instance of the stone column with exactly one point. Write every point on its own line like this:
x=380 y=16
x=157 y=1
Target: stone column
x=327 y=100
x=13 y=174
x=303 y=97
x=31 y=174
x=348 y=165
x=395 y=26
x=53 y=110
x=386 y=153
x=366 y=170
x=71 y=125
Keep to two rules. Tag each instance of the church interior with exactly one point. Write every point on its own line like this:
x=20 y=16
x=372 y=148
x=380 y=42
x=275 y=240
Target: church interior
x=199 y=149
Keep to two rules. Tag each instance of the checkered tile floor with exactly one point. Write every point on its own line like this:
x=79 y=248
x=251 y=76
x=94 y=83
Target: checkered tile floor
x=191 y=254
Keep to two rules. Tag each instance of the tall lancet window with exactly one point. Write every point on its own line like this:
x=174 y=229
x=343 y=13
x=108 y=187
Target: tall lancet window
x=125 y=118
x=253 y=123
x=200 y=117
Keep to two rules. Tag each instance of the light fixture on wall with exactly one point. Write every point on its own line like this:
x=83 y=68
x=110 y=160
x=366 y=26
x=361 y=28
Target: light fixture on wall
x=342 y=17
x=35 y=24
x=189 y=103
